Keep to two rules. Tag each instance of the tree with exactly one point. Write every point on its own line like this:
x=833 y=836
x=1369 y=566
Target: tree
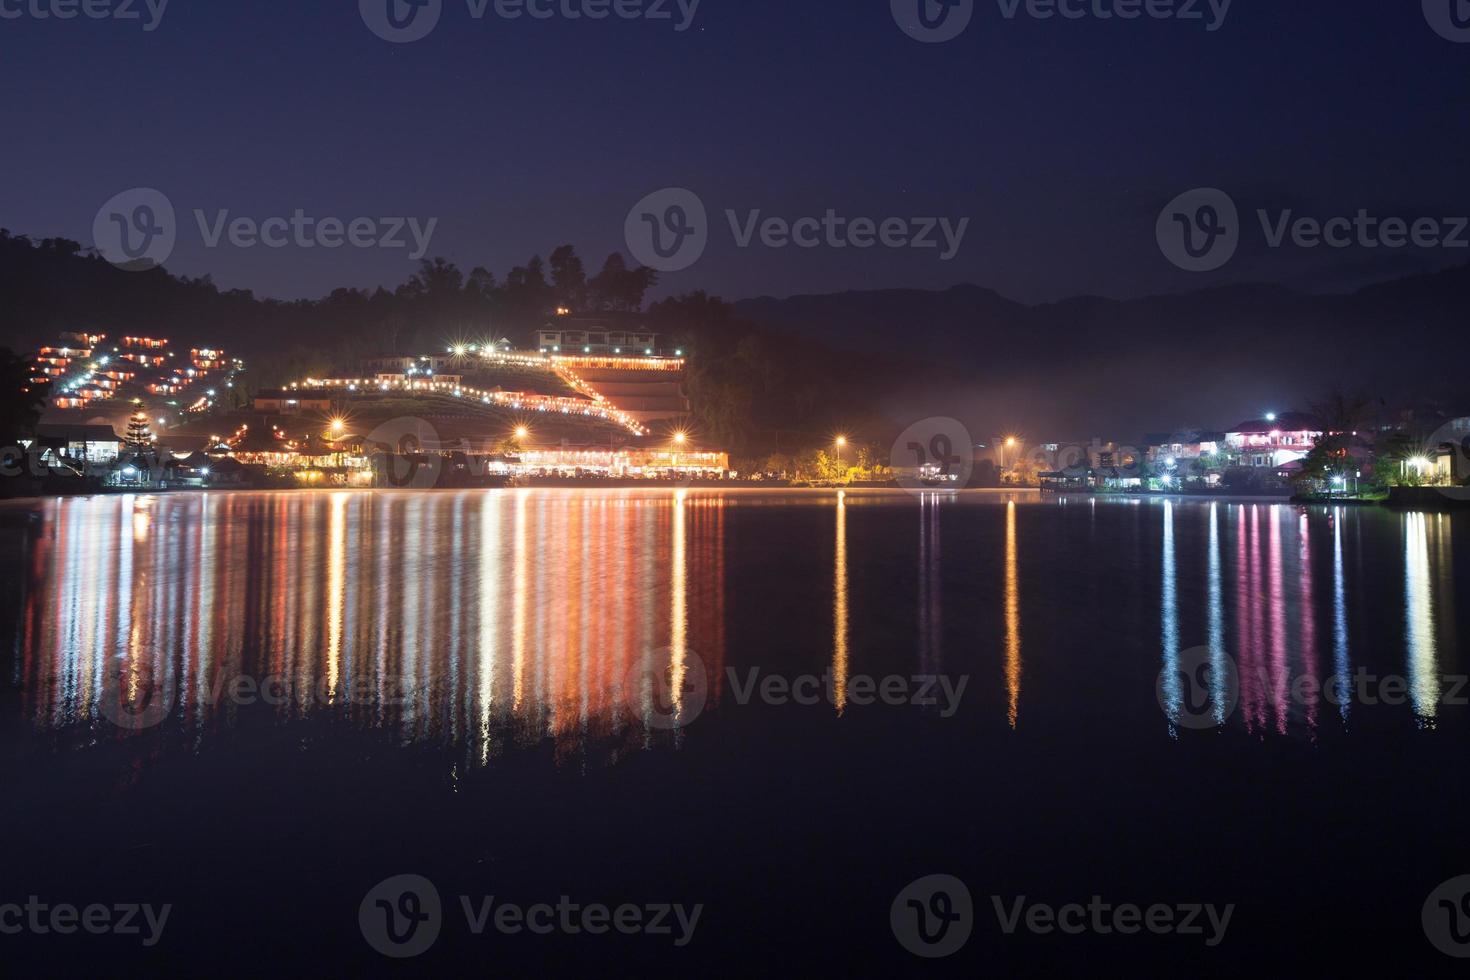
x=139 y=437
x=618 y=288
x=20 y=398
x=569 y=277
x=480 y=284
x=1342 y=411
x=439 y=278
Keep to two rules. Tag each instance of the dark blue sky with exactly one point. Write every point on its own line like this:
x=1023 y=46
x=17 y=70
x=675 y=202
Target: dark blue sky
x=1059 y=140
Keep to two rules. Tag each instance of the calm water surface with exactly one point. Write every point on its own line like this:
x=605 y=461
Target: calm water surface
x=260 y=704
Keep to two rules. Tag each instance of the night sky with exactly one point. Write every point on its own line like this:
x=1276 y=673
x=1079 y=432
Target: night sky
x=1060 y=140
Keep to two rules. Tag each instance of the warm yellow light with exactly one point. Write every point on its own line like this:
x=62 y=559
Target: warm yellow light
x=680 y=438
x=1010 y=442
x=841 y=442
x=522 y=432
x=338 y=425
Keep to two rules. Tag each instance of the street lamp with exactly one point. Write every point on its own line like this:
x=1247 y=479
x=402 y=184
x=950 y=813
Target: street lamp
x=680 y=438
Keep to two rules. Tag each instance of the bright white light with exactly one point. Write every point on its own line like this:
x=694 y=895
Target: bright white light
x=1270 y=416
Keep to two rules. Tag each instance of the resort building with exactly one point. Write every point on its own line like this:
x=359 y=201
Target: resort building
x=607 y=334
x=83 y=369
x=290 y=401
x=622 y=463
x=81 y=443
x=1273 y=441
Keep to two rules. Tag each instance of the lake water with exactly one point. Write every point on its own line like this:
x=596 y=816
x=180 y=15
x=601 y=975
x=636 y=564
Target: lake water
x=781 y=706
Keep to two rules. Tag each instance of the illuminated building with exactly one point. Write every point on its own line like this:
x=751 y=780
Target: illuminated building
x=83 y=443
x=568 y=334
x=288 y=401
x=84 y=370
x=1273 y=441
x=623 y=463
